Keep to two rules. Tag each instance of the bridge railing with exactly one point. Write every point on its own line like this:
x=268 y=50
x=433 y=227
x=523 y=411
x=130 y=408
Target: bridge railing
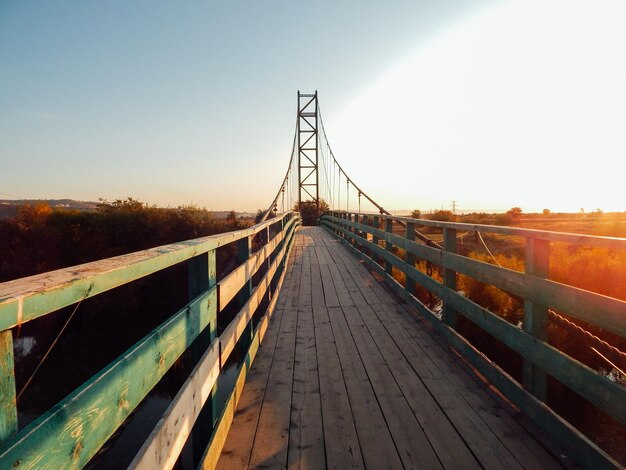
x=71 y=432
x=373 y=240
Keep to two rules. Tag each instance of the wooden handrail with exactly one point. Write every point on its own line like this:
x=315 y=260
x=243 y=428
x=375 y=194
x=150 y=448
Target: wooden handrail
x=71 y=432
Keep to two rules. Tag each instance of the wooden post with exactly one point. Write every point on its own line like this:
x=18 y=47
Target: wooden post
x=8 y=408
x=409 y=284
x=388 y=246
x=202 y=273
x=375 y=239
x=366 y=221
x=449 y=276
x=536 y=315
x=244 y=250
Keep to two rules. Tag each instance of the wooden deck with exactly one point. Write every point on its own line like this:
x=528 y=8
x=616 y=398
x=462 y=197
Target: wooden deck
x=347 y=377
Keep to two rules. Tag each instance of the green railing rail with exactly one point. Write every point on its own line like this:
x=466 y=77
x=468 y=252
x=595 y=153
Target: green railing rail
x=372 y=239
x=72 y=431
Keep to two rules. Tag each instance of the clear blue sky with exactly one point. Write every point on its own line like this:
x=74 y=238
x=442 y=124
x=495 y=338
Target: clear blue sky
x=194 y=102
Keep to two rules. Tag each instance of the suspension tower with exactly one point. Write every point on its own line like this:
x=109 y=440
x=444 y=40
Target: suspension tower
x=308 y=177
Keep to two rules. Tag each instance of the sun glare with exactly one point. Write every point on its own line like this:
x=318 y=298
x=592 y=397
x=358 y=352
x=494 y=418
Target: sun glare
x=523 y=104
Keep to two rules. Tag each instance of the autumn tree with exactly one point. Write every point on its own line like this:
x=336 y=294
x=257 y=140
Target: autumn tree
x=309 y=211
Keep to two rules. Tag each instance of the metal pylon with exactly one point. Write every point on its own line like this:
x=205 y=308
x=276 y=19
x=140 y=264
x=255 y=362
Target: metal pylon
x=308 y=176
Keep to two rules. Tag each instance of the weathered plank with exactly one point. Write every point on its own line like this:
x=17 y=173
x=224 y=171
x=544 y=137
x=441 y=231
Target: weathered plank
x=272 y=437
x=306 y=441
x=379 y=449
x=340 y=438
x=413 y=445
x=457 y=390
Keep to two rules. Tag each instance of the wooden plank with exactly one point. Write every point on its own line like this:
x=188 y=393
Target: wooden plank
x=578 y=445
x=340 y=438
x=28 y=298
x=317 y=290
x=306 y=437
x=8 y=408
x=338 y=286
x=442 y=369
x=272 y=435
x=457 y=434
x=330 y=293
x=163 y=446
x=378 y=447
x=71 y=432
x=440 y=372
x=305 y=298
x=414 y=448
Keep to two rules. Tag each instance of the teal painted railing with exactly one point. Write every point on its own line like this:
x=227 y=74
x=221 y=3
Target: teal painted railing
x=371 y=237
x=72 y=431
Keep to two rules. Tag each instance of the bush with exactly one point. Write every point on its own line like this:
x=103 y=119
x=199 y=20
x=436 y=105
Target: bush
x=309 y=212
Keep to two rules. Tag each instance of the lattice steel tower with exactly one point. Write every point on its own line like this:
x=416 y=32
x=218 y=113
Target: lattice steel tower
x=308 y=177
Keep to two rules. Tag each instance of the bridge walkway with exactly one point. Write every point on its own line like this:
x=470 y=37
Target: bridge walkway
x=348 y=377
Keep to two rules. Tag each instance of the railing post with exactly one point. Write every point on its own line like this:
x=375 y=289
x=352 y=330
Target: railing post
x=366 y=221
x=375 y=239
x=202 y=274
x=8 y=408
x=449 y=276
x=388 y=246
x=536 y=315
x=244 y=250
x=409 y=284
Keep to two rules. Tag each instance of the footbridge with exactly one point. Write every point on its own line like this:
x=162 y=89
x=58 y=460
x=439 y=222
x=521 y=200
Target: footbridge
x=339 y=337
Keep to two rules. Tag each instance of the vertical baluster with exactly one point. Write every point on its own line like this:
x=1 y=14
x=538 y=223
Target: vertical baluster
x=449 y=276
x=410 y=258
x=202 y=274
x=388 y=245
x=366 y=221
x=375 y=239
x=536 y=315
x=244 y=250
x=8 y=408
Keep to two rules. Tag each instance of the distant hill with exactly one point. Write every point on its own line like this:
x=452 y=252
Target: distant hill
x=10 y=207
